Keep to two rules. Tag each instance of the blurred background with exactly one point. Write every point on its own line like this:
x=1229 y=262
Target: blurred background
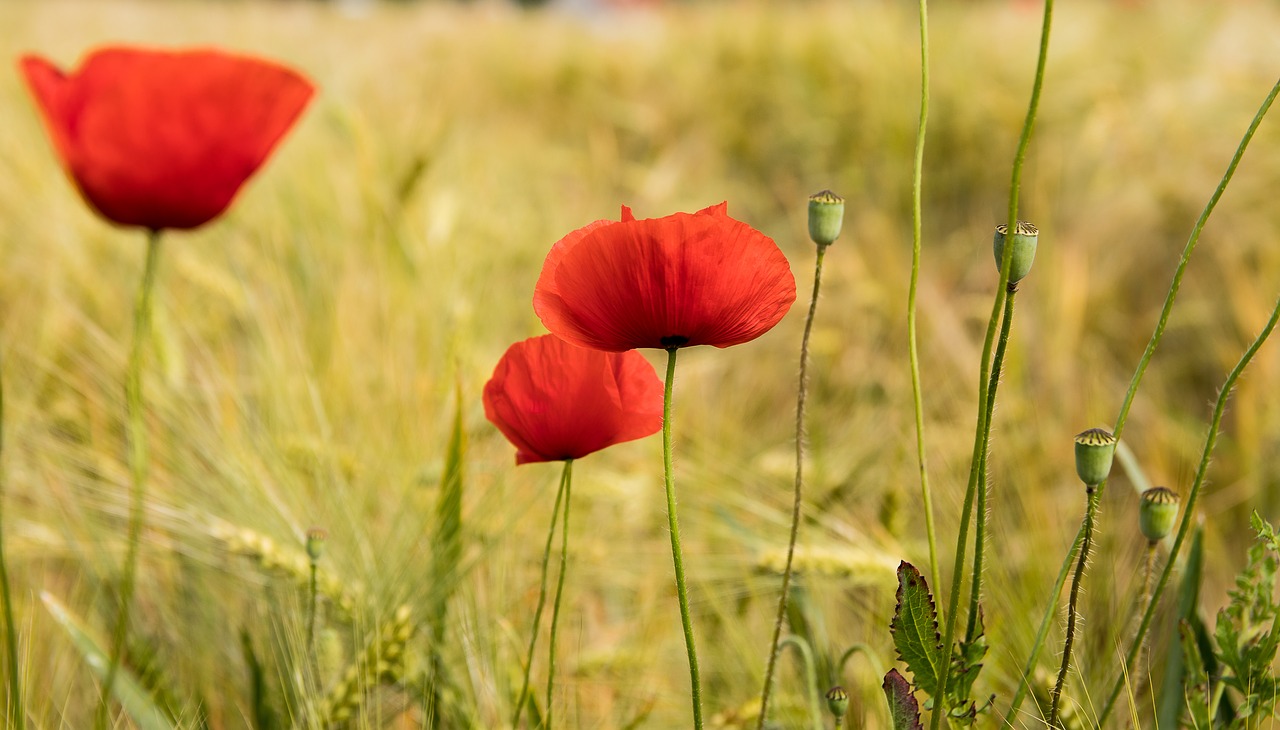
x=308 y=345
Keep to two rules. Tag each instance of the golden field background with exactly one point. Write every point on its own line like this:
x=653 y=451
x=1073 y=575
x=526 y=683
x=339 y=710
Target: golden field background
x=308 y=344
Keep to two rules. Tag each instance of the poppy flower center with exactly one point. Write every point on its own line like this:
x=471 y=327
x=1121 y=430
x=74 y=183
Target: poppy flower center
x=671 y=341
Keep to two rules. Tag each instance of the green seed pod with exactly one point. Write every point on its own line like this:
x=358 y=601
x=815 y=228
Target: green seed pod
x=1095 y=449
x=1158 y=512
x=315 y=543
x=838 y=701
x=826 y=216
x=1025 y=236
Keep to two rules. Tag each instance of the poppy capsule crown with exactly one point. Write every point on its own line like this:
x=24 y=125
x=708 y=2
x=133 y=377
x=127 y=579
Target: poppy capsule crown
x=1095 y=450
x=164 y=139
x=681 y=280
x=555 y=401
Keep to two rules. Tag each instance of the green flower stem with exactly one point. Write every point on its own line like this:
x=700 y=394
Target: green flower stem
x=137 y=433
x=1072 y=610
x=1148 y=575
x=801 y=393
x=555 y=606
x=542 y=599
x=311 y=614
x=677 y=557
x=913 y=349
x=980 y=526
x=810 y=674
x=877 y=667
x=1189 y=511
x=983 y=431
x=1050 y=611
x=17 y=715
x=1158 y=334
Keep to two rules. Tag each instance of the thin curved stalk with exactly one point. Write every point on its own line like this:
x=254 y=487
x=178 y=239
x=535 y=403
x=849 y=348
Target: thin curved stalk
x=138 y=466
x=1072 y=606
x=542 y=599
x=1154 y=341
x=913 y=349
x=801 y=395
x=1211 y=440
x=677 y=556
x=980 y=528
x=810 y=675
x=877 y=667
x=984 y=428
x=555 y=606
x=17 y=715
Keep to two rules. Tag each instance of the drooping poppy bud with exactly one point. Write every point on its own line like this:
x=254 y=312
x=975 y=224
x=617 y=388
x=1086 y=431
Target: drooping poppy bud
x=1025 y=237
x=164 y=139
x=826 y=217
x=1095 y=450
x=1157 y=512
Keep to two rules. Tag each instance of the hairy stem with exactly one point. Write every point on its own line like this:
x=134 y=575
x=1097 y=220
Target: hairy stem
x=17 y=715
x=138 y=464
x=542 y=599
x=1072 y=605
x=677 y=557
x=555 y=606
x=801 y=394
x=1184 y=526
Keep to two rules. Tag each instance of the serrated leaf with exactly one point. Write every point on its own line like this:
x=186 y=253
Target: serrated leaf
x=1195 y=680
x=966 y=664
x=137 y=704
x=915 y=629
x=903 y=707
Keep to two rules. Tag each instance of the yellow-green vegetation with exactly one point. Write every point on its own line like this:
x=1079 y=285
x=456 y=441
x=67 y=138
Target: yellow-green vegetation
x=307 y=348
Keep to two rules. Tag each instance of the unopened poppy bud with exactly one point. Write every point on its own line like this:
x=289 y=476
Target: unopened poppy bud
x=315 y=543
x=1158 y=512
x=1025 y=236
x=826 y=216
x=838 y=701
x=1095 y=449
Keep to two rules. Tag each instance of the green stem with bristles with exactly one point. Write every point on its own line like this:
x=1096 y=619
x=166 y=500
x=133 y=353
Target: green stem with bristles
x=138 y=464
x=1154 y=342
x=801 y=394
x=17 y=715
x=1072 y=605
x=983 y=430
x=555 y=605
x=677 y=556
x=1188 y=514
x=542 y=599
x=913 y=349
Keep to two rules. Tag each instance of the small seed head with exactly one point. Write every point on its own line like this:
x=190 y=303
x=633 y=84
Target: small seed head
x=838 y=701
x=1095 y=450
x=1025 y=237
x=1158 y=512
x=826 y=217
x=315 y=543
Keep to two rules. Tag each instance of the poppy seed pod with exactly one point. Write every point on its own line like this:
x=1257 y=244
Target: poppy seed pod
x=826 y=216
x=1025 y=236
x=315 y=543
x=1095 y=449
x=838 y=701
x=1158 y=512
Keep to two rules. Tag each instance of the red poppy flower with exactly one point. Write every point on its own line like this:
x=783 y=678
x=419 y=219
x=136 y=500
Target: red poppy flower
x=676 y=281
x=164 y=139
x=556 y=401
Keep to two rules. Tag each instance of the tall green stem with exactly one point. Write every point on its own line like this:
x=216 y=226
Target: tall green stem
x=801 y=394
x=137 y=434
x=1152 y=344
x=983 y=429
x=1188 y=514
x=810 y=676
x=913 y=349
x=1072 y=610
x=980 y=528
x=17 y=715
x=555 y=606
x=542 y=599
x=677 y=557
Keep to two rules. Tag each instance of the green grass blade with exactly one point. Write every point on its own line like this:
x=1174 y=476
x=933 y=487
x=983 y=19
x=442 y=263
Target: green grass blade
x=447 y=544
x=139 y=705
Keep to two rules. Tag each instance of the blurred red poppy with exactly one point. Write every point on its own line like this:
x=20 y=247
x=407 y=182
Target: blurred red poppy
x=676 y=281
x=555 y=401
x=164 y=139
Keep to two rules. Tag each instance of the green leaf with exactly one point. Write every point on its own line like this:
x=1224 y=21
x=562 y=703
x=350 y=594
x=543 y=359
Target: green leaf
x=140 y=707
x=1195 y=681
x=915 y=629
x=903 y=707
x=446 y=548
x=1171 y=702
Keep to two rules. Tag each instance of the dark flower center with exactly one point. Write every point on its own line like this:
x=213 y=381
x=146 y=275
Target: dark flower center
x=674 y=341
